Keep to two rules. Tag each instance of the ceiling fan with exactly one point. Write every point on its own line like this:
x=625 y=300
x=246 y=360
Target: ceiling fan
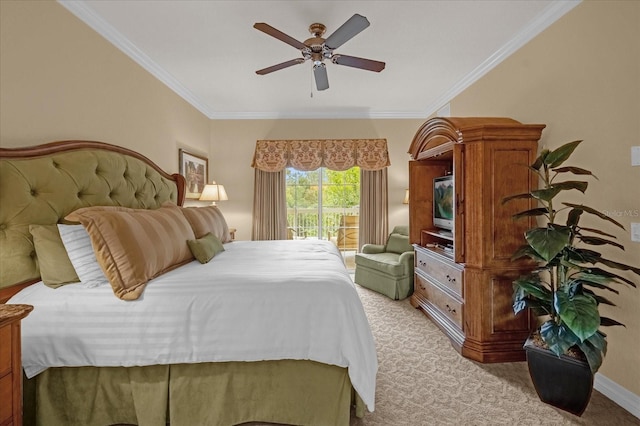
x=317 y=49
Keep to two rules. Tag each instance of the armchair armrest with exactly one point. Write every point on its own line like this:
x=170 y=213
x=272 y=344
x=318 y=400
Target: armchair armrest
x=372 y=248
x=406 y=259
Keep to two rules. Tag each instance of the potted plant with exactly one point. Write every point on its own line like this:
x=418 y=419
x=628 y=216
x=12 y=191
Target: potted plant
x=563 y=291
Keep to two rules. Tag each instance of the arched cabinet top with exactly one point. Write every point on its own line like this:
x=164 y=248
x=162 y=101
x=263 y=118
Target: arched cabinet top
x=437 y=136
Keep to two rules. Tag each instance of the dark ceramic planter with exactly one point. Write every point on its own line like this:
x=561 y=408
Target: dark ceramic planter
x=564 y=382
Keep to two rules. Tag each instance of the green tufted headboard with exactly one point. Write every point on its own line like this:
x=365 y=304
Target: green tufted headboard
x=44 y=183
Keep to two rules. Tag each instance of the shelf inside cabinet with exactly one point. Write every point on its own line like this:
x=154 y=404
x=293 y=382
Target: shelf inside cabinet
x=440 y=234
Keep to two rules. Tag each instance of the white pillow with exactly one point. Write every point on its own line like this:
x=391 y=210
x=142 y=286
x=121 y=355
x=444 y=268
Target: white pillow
x=80 y=251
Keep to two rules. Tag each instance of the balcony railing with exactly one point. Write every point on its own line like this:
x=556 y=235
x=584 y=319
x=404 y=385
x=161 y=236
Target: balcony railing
x=307 y=223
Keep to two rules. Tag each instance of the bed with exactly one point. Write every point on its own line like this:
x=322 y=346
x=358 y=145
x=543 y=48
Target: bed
x=269 y=331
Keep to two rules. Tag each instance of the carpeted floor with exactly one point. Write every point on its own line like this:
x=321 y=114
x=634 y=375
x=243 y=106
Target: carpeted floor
x=422 y=380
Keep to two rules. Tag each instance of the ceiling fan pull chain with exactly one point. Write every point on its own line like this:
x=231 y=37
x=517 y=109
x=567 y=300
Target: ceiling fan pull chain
x=311 y=84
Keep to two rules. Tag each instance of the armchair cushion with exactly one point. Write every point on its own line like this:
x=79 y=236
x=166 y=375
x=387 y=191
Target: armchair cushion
x=383 y=262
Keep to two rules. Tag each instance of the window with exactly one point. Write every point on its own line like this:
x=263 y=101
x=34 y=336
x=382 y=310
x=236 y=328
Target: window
x=324 y=204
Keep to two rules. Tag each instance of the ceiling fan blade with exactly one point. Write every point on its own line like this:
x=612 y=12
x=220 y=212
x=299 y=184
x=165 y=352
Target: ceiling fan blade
x=280 y=66
x=268 y=29
x=352 y=61
x=347 y=31
x=320 y=73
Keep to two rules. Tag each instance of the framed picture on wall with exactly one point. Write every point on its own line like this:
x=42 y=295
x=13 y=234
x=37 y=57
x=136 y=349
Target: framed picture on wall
x=194 y=168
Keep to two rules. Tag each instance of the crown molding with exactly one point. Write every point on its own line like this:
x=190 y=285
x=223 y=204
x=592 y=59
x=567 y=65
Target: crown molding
x=87 y=15
x=334 y=115
x=548 y=16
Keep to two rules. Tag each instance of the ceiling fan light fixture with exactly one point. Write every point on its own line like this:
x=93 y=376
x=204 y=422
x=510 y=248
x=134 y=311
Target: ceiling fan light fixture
x=320 y=74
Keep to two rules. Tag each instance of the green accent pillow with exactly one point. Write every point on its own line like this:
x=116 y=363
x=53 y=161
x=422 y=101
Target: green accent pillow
x=206 y=247
x=55 y=267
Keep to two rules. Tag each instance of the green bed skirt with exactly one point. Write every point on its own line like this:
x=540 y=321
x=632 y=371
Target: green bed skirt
x=227 y=393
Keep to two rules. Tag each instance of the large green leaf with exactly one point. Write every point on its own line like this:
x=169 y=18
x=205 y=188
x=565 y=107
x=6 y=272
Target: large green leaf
x=540 y=211
x=604 y=273
x=621 y=266
x=595 y=212
x=527 y=251
x=597 y=231
x=549 y=241
x=515 y=197
x=600 y=299
x=561 y=154
x=597 y=241
x=579 y=313
x=538 y=308
x=540 y=160
x=558 y=337
x=546 y=194
x=572 y=184
x=531 y=285
x=596 y=281
x=585 y=255
x=594 y=349
x=574 y=217
x=608 y=322
x=574 y=170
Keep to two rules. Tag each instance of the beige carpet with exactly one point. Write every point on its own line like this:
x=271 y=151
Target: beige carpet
x=422 y=380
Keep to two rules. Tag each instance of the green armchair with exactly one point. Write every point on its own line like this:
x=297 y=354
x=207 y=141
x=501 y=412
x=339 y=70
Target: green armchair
x=387 y=269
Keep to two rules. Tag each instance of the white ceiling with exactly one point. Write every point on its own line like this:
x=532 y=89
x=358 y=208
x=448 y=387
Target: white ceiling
x=208 y=51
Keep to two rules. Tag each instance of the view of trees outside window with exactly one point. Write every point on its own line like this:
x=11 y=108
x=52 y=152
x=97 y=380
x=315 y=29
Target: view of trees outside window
x=321 y=202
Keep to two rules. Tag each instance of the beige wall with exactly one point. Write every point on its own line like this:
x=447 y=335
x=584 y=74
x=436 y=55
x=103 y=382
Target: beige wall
x=233 y=143
x=60 y=80
x=581 y=77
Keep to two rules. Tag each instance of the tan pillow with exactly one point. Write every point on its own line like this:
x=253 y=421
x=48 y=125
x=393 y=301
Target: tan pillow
x=136 y=245
x=55 y=267
x=207 y=219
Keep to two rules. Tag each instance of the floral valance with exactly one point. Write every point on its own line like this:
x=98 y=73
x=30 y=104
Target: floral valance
x=334 y=154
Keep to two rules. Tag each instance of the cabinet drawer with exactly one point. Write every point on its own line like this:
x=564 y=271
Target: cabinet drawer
x=6 y=396
x=446 y=304
x=5 y=349
x=447 y=274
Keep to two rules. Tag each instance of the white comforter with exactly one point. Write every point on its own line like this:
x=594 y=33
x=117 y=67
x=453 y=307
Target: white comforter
x=257 y=300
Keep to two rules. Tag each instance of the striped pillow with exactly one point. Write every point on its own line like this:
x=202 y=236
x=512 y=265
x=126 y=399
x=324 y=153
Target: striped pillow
x=135 y=245
x=206 y=220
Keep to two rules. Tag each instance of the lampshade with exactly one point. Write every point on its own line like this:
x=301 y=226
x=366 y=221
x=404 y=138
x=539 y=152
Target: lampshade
x=406 y=197
x=213 y=192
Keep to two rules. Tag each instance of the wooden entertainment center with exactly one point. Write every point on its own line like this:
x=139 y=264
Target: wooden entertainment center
x=463 y=280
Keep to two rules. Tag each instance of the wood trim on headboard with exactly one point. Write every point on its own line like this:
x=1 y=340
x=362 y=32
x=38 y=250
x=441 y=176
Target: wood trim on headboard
x=72 y=145
x=8 y=292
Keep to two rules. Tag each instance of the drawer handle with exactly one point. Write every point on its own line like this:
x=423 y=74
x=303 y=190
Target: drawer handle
x=451 y=280
x=453 y=311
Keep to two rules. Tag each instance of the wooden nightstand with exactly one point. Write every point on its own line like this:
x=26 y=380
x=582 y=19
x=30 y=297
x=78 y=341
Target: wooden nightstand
x=11 y=363
x=232 y=232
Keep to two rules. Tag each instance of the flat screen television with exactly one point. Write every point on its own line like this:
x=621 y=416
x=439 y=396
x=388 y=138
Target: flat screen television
x=443 y=202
